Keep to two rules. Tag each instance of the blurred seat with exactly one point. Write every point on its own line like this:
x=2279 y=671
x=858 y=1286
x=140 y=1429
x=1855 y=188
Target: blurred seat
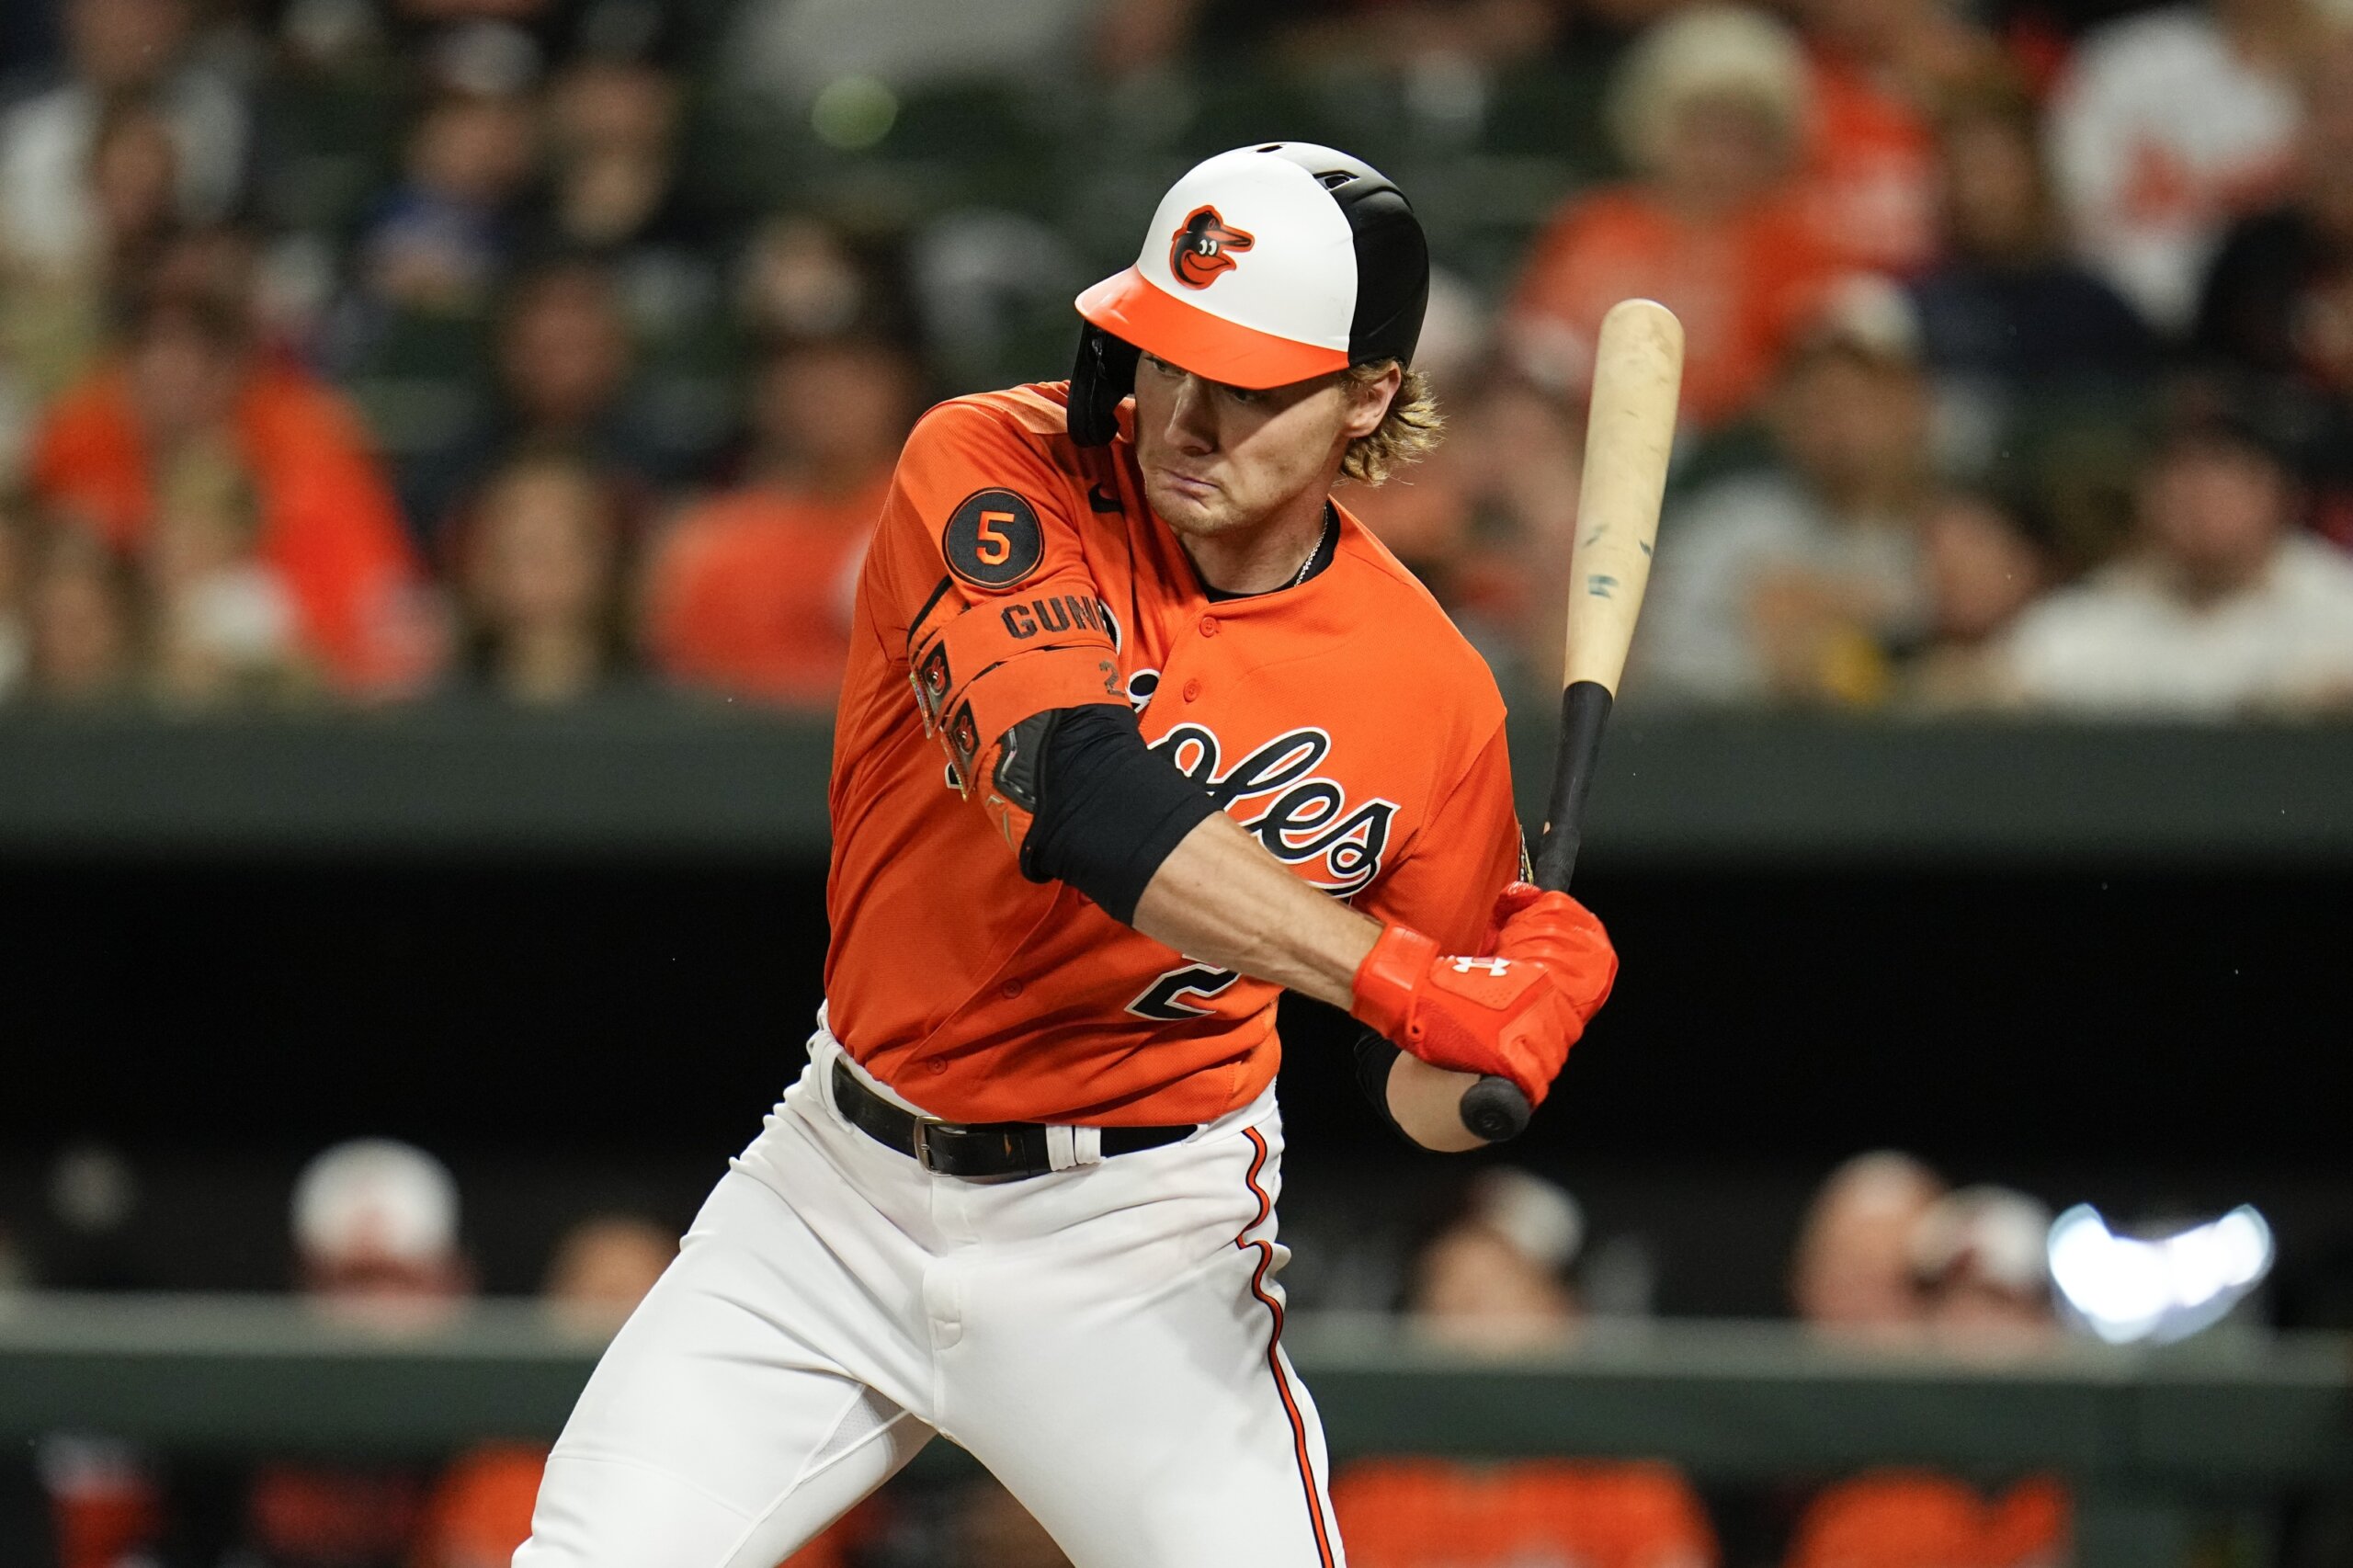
x=1918 y=1519
x=1424 y=1513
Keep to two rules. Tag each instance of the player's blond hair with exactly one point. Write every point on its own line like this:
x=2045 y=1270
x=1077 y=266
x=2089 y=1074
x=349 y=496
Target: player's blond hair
x=1408 y=433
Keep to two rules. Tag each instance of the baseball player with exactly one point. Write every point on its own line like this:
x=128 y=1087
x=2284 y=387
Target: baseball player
x=1140 y=728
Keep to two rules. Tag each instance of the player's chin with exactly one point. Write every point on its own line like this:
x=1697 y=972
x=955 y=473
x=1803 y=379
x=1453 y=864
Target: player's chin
x=1188 y=510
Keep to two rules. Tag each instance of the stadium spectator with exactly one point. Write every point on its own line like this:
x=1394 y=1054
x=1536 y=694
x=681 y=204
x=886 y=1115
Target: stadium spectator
x=2225 y=607
x=1851 y=1273
x=376 y=1241
x=566 y=364
x=222 y=621
x=793 y=52
x=375 y=1229
x=1497 y=1280
x=2278 y=305
x=1978 y=1264
x=2168 y=124
x=1496 y=1277
x=613 y=159
x=55 y=313
x=1983 y=566
x=1980 y=1255
x=119 y=51
x=1878 y=66
x=604 y=1266
x=750 y=593
x=541 y=580
x=191 y=374
x=82 y=640
x=2010 y=325
x=1710 y=109
x=2279 y=301
x=374 y=1226
x=1789 y=584
x=1485 y=521
x=802 y=277
x=440 y=240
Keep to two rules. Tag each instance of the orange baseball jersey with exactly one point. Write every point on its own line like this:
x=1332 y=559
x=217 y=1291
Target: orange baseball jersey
x=1343 y=723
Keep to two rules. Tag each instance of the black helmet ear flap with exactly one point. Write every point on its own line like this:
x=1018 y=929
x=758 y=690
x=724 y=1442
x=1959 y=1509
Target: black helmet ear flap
x=1104 y=375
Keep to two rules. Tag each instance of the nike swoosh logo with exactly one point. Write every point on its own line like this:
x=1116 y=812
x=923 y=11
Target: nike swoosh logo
x=1103 y=500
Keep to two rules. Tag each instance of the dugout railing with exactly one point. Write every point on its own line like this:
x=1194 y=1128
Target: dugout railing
x=2151 y=1441
x=640 y=778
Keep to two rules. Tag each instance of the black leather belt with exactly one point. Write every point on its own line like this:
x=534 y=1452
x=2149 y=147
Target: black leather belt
x=971 y=1149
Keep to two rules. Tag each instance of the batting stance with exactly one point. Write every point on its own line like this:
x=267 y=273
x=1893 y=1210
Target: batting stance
x=1140 y=729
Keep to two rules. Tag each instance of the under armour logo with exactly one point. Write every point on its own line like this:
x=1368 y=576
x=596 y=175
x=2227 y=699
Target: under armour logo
x=1493 y=966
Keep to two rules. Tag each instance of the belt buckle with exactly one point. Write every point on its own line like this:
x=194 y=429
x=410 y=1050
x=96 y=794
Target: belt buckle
x=924 y=1124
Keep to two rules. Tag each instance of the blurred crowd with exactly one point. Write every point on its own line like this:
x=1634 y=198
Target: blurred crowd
x=1887 y=1256
x=534 y=350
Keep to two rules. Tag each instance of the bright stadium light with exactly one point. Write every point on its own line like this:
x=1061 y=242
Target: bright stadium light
x=2154 y=1290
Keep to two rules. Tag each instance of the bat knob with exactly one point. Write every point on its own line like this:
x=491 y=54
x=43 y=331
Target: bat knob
x=1494 y=1109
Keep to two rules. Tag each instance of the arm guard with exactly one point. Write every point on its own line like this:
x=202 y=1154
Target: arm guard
x=1375 y=1056
x=979 y=670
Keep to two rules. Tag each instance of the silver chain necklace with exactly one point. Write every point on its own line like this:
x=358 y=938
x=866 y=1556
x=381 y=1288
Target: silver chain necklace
x=1317 y=549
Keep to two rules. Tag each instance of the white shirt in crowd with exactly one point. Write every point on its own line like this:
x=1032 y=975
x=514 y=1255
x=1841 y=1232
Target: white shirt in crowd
x=2162 y=133
x=2123 y=643
x=1697 y=641
x=46 y=217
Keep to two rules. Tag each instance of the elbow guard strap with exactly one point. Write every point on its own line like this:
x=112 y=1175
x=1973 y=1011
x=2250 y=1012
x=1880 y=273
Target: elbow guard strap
x=1375 y=1057
x=979 y=670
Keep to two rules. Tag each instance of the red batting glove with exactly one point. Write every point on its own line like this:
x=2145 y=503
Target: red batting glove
x=1514 y=1013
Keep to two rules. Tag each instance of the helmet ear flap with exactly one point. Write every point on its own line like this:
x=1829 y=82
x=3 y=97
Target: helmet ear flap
x=1104 y=375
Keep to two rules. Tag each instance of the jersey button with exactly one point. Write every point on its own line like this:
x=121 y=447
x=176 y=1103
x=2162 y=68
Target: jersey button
x=934 y=1066
x=1192 y=690
x=1010 y=989
x=1208 y=626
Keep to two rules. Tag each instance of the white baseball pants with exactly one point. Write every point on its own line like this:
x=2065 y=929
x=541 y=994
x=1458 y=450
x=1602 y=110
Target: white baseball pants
x=1104 y=1339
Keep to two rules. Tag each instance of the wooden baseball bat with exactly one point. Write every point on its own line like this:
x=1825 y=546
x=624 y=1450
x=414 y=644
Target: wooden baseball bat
x=1629 y=429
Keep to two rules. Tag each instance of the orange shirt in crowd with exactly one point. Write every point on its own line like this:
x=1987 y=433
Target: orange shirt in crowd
x=1422 y=1513
x=751 y=592
x=330 y=526
x=1918 y=1519
x=1742 y=288
x=1871 y=173
x=482 y=1512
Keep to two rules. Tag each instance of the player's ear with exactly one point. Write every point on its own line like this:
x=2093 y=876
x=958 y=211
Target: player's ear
x=1369 y=396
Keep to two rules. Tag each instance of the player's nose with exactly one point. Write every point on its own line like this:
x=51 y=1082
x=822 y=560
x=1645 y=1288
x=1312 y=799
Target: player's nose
x=1192 y=426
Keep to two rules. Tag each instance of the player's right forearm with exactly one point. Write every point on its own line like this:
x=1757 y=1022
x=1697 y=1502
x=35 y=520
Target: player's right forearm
x=1221 y=898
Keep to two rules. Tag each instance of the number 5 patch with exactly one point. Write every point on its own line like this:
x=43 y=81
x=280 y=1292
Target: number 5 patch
x=993 y=539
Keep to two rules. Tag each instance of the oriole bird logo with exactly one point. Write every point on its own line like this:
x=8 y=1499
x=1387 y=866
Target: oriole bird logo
x=1203 y=248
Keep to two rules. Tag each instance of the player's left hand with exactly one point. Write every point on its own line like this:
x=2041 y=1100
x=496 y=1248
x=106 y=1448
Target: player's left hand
x=1561 y=933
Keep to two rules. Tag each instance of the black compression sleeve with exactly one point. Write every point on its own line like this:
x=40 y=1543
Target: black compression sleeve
x=1109 y=810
